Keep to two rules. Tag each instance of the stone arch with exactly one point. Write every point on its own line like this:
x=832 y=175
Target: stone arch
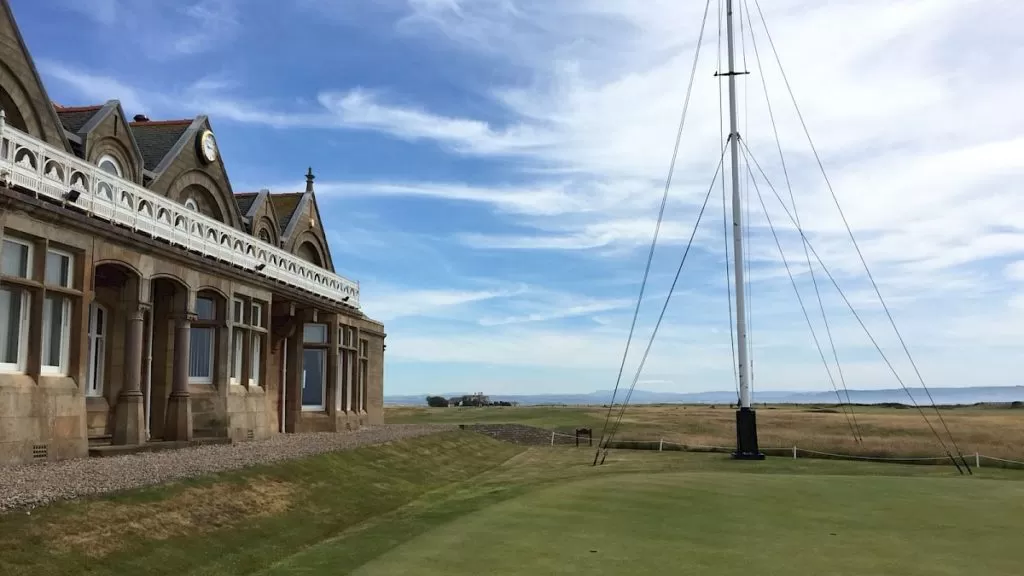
x=199 y=185
x=111 y=146
x=310 y=247
x=266 y=230
x=213 y=290
x=15 y=118
x=21 y=114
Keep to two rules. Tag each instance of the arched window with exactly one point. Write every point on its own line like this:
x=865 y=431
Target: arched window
x=191 y=205
x=110 y=165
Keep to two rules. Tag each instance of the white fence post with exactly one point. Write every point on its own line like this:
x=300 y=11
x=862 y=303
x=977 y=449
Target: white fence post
x=977 y=460
x=661 y=443
x=794 y=451
x=552 y=438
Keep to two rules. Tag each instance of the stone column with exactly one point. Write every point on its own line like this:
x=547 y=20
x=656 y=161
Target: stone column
x=130 y=413
x=178 y=425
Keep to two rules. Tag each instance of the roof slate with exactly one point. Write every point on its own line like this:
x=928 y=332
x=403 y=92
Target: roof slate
x=285 y=205
x=156 y=139
x=245 y=200
x=73 y=118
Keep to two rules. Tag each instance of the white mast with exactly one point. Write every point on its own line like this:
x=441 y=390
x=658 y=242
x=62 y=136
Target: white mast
x=746 y=427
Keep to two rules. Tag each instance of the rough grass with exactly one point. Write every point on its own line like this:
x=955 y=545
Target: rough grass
x=887 y=432
x=241 y=521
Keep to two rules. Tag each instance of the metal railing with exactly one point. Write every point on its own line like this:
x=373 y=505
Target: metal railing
x=48 y=172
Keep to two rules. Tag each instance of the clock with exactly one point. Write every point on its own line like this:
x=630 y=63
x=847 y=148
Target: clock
x=207 y=146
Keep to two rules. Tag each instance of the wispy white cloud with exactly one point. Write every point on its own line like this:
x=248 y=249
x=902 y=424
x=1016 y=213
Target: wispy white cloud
x=165 y=30
x=907 y=101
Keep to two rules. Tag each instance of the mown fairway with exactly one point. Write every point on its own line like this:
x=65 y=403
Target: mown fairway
x=887 y=432
x=459 y=503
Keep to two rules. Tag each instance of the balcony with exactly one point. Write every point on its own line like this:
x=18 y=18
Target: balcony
x=54 y=174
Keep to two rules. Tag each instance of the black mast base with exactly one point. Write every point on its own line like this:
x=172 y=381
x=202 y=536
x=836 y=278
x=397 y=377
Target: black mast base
x=746 y=436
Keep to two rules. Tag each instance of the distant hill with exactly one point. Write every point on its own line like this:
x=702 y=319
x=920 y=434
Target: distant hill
x=940 y=395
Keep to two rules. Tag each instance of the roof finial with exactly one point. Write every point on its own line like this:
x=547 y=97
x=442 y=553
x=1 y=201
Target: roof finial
x=309 y=179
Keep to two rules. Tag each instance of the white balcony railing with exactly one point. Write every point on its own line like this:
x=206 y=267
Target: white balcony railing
x=53 y=173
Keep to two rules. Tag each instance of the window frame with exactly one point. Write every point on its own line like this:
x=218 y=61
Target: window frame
x=363 y=373
x=22 y=286
x=20 y=364
x=95 y=370
x=30 y=264
x=256 y=335
x=237 y=340
x=347 y=364
x=208 y=324
x=61 y=368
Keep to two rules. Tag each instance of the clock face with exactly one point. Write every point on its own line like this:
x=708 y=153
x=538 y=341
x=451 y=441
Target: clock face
x=208 y=146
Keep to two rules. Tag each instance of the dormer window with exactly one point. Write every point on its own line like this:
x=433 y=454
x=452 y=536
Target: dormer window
x=110 y=165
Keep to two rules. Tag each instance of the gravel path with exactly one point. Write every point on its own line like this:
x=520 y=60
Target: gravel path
x=32 y=485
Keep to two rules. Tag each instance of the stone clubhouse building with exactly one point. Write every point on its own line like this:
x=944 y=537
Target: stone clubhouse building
x=143 y=301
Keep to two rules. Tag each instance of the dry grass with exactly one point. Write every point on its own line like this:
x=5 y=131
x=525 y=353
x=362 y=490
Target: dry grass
x=887 y=432
x=102 y=527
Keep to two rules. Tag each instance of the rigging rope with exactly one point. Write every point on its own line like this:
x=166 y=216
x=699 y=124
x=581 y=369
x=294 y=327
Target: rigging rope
x=664 y=308
x=746 y=208
x=856 y=246
x=851 y=415
x=751 y=158
x=661 y=215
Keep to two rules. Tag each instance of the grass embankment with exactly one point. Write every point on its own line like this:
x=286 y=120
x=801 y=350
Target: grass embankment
x=239 y=522
x=887 y=432
x=462 y=504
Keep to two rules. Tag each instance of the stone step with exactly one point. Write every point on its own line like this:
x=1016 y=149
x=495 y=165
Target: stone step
x=155 y=446
x=99 y=440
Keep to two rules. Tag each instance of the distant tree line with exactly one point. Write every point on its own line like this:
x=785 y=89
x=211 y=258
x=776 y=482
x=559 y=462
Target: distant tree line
x=477 y=399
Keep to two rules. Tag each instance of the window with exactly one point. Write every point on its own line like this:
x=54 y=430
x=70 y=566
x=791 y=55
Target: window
x=346 y=368
x=264 y=235
x=191 y=205
x=110 y=165
x=56 y=313
x=237 y=336
x=314 y=334
x=15 y=262
x=246 y=330
x=364 y=353
x=255 y=343
x=97 y=349
x=14 y=305
x=314 y=367
x=201 y=342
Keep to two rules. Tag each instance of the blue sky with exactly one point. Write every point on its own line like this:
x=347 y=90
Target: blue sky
x=490 y=171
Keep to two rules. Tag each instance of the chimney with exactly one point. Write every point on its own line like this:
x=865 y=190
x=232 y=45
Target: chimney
x=309 y=179
x=141 y=118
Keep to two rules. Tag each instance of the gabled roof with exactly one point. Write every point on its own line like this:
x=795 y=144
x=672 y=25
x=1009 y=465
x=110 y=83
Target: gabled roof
x=73 y=118
x=156 y=139
x=245 y=201
x=285 y=204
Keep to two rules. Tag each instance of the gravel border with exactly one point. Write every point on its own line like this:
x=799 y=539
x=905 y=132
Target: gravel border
x=31 y=485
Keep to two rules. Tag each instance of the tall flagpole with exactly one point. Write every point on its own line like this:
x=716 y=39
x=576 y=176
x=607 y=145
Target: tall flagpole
x=746 y=420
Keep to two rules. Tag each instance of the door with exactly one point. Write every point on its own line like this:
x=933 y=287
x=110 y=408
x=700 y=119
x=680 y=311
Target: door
x=314 y=379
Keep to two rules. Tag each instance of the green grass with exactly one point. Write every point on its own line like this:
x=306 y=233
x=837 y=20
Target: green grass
x=459 y=503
